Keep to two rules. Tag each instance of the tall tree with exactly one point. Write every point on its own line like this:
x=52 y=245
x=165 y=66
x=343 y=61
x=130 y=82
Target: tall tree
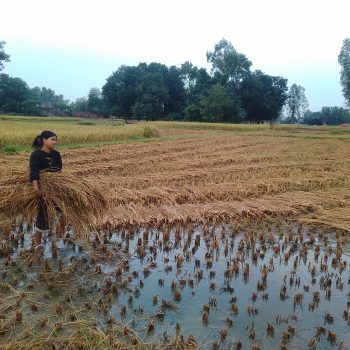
x=188 y=74
x=119 y=92
x=218 y=106
x=148 y=91
x=335 y=115
x=312 y=118
x=13 y=93
x=47 y=97
x=94 y=101
x=263 y=97
x=228 y=66
x=328 y=115
x=4 y=57
x=200 y=89
x=152 y=93
x=80 y=105
x=344 y=61
x=177 y=95
x=296 y=104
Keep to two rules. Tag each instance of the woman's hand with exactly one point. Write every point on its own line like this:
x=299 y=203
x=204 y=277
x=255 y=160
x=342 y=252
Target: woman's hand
x=37 y=190
x=38 y=193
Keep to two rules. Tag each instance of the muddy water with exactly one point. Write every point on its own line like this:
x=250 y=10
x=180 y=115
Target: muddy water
x=295 y=294
x=163 y=290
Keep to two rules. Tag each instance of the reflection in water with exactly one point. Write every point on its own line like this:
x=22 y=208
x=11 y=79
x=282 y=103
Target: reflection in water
x=231 y=286
x=272 y=286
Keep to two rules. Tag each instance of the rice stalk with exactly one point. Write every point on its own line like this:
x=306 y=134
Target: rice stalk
x=80 y=200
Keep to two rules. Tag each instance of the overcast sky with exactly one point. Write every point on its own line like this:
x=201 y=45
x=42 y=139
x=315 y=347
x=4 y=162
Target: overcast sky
x=73 y=45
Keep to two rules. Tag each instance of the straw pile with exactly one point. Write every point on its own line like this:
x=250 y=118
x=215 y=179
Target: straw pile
x=80 y=200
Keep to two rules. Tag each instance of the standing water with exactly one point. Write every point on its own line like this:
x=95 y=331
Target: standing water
x=274 y=287
x=231 y=286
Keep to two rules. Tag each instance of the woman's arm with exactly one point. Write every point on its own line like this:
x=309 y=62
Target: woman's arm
x=34 y=173
x=37 y=190
x=59 y=161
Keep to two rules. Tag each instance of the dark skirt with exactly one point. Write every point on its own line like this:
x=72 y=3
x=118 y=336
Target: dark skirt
x=42 y=220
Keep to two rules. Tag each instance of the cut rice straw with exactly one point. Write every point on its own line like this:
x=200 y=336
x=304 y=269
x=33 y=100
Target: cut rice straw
x=82 y=202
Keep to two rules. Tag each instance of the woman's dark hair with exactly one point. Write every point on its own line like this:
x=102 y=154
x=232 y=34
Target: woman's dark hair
x=38 y=141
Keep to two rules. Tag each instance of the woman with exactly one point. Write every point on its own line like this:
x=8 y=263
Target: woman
x=44 y=157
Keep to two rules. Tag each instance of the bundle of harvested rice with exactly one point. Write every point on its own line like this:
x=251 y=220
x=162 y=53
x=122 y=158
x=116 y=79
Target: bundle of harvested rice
x=81 y=201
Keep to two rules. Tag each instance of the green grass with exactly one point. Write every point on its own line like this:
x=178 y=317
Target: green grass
x=86 y=123
x=38 y=119
x=9 y=149
x=18 y=132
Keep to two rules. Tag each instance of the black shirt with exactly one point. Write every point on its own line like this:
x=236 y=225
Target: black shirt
x=40 y=160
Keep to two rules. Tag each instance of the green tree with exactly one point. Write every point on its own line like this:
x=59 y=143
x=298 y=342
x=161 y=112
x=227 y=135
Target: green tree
x=263 y=97
x=148 y=91
x=334 y=115
x=94 y=101
x=312 y=118
x=344 y=61
x=188 y=73
x=35 y=93
x=61 y=106
x=80 y=105
x=46 y=98
x=228 y=66
x=119 y=92
x=152 y=93
x=218 y=106
x=176 y=92
x=328 y=115
x=4 y=57
x=296 y=104
x=200 y=88
x=13 y=93
x=16 y=96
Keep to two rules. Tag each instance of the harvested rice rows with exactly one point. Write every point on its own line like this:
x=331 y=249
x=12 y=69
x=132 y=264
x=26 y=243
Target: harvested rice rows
x=217 y=178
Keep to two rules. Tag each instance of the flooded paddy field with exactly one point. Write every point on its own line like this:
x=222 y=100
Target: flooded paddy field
x=247 y=285
x=254 y=255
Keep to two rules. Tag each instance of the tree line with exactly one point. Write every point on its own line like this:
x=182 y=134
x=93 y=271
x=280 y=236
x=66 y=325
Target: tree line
x=229 y=92
x=17 y=97
x=327 y=115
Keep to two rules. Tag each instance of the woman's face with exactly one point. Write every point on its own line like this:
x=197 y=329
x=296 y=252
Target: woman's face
x=50 y=142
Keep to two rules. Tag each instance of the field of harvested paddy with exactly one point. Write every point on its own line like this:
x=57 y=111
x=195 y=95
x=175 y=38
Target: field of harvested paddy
x=217 y=178
x=221 y=241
